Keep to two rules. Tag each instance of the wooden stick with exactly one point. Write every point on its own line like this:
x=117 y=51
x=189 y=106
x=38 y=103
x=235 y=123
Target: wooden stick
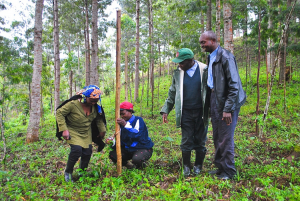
x=118 y=88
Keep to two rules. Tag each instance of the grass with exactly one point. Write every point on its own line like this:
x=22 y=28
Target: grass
x=268 y=167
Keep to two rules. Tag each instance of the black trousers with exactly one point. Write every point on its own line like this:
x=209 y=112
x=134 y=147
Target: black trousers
x=138 y=157
x=223 y=136
x=77 y=152
x=194 y=134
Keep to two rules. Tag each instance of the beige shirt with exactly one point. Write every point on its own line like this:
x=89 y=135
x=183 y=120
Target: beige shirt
x=72 y=117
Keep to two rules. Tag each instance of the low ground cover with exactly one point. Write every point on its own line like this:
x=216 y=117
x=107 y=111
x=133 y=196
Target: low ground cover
x=268 y=166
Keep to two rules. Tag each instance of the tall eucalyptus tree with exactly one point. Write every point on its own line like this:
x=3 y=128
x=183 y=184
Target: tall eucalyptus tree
x=35 y=111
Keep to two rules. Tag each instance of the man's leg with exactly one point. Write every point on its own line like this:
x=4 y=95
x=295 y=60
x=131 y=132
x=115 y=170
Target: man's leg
x=226 y=144
x=200 y=137
x=187 y=140
x=215 y=120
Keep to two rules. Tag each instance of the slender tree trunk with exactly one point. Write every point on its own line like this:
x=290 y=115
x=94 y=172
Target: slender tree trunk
x=94 y=76
x=270 y=43
x=126 y=76
x=208 y=16
x=87 y=46
x=258 y=71
x=56 y=57
x=118 y=89
x=137 y=51
x=228 y=33
x=151 y=52
x=218 y=20
x=246 y=46
x=35 y=111
x=71 y=83
x=275 y=62
x=3 y=160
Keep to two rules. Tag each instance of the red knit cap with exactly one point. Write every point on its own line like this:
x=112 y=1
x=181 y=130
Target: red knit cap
x=126 y=106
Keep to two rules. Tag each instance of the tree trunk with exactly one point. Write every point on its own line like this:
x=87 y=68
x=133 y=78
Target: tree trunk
x=151 y=52
x=71 y=83
x=126 y=76
x=87 y=45
x=228 y=34
x=258 y=69
x=208 y=16
x=35 y=111
x=270 y=43
x=218 y=20
x=56 y=57
x=94 y=76
x=137 y=51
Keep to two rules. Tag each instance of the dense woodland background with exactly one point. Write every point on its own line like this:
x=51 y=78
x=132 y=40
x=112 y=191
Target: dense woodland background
x=64 y=45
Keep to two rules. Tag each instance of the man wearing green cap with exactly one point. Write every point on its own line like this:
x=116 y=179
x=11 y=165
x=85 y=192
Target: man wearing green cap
x=188 y=93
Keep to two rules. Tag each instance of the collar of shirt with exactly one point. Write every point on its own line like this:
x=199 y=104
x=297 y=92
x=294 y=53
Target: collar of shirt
x=212 y=58
x=192 y=70
x=131 y=119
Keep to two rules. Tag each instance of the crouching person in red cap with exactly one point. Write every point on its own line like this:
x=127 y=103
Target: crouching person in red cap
x=136 y=145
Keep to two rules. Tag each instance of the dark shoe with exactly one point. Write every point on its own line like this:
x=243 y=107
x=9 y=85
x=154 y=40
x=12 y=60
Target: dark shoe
x=223 y=176
x=68 y=177
x=217 y=172
x=197 y=169
x=186 y=171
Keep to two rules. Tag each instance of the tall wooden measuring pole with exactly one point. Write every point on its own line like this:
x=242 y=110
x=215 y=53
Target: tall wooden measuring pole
x=118 y=88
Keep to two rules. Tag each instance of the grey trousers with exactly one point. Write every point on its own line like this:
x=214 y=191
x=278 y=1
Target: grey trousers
x=223 y=138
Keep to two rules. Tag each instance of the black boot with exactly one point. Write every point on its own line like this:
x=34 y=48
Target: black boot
x=186 y=160
x=199 y=162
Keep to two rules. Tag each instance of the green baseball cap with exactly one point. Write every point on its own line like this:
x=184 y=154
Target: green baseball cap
x=183 y=54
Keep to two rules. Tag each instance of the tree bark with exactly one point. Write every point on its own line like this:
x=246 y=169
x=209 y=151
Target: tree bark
x=126 y=76
x=87 y=45
x=56 y=57
x=218 y=20
x=94 y=77
x=35 y=111
x=118 y=89
x=137 y=52
x=151 y=53
x=228 y=34
x=258 y=71
x=208 y=16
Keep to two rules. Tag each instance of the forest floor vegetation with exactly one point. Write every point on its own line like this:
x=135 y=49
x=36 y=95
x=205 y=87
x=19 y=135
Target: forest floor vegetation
x=268 y=166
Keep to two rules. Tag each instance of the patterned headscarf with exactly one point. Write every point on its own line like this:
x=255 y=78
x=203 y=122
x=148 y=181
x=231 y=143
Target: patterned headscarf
x=91 y=91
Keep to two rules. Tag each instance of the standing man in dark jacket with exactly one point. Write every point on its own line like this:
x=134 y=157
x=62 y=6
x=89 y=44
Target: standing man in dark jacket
x=187 y=93
x=226 y=98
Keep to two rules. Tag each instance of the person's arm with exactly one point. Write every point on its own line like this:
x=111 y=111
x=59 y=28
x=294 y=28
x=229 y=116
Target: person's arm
x=232 y=77
x=169 y=103
x=101 y=126
x=61 y=114
x=133 y=132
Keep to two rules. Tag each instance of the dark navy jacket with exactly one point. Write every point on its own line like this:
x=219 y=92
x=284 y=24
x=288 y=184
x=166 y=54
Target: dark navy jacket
x=134 y=135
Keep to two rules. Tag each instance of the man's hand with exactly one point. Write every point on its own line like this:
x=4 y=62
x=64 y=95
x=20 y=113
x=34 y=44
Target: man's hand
x=66 y=135
x=227 y=118
x=101 y=135
x=165 y=117
x=121 y=122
